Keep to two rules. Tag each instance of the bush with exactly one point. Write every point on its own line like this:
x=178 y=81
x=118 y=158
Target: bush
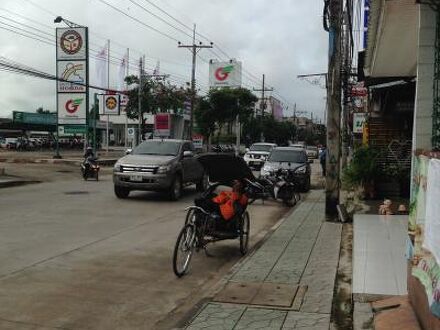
x=362 y=169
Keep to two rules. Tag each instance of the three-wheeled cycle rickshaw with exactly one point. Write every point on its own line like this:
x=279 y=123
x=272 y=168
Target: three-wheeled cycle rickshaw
x=203 y=227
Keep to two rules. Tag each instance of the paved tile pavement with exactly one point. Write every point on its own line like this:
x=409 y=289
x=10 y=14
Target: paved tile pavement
x=303 y=251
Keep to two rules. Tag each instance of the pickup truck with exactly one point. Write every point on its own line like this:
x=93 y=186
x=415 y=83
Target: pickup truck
x=159 y=165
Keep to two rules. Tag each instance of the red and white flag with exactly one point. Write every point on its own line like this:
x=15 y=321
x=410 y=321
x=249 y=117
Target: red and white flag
x=101 y=66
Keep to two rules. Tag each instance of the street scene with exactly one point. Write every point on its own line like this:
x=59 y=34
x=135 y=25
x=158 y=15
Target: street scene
x=220 y=165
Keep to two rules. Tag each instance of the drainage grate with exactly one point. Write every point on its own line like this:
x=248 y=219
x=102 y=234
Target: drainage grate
x=76 y=192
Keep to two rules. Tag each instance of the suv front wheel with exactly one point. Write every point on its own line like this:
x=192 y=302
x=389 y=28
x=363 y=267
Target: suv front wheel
x=121 y=192
x=176 y=188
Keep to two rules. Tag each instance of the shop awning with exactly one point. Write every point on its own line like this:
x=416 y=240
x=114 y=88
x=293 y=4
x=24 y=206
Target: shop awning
x=392 y=39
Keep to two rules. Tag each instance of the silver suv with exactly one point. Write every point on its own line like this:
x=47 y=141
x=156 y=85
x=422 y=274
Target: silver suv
x=159 y=165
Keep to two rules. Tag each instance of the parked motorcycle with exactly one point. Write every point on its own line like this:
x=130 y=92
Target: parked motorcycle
x=90 y=169
x=279 y=185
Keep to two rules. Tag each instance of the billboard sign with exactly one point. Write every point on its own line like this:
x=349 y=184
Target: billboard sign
x=224 y=74
x=34 y=118
x=359 y=119
x=72 y=108
x=71 y=43
x=162 y=124
x=74 y=73
x=110 y=104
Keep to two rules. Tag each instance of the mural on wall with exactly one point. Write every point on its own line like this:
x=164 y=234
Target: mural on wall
x=425 y=267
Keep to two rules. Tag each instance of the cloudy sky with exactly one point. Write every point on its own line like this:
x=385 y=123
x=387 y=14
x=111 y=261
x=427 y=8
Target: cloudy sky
x=281 y=39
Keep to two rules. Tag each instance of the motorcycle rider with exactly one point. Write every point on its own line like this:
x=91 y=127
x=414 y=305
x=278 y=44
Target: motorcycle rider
x=89 y=158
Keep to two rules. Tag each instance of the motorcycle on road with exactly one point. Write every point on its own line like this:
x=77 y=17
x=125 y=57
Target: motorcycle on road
x=90 y=169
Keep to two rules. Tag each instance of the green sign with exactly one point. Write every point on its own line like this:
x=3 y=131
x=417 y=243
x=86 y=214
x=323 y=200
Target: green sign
x=74 y=129
x=34 y=118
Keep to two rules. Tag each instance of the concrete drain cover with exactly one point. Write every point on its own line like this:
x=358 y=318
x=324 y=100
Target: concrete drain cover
x=76 y=193
x=265 y=294
x=280 y=295
x=239 y=293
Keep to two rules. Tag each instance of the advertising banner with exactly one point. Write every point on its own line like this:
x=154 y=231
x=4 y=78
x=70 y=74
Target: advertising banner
x=110 y=104
x=72 y=108
x=162 y=124
x=71 y=43
x=224 y=74
x=73 y=72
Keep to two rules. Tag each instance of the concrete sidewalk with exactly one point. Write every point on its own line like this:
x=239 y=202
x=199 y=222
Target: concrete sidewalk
x=287 y=283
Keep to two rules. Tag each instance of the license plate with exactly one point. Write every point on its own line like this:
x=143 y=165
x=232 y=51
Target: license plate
x=251 y=163
x=136 y=178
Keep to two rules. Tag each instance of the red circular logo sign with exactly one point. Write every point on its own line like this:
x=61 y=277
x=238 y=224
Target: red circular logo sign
x=71 y=42
x=220 y=74
x=72 y=106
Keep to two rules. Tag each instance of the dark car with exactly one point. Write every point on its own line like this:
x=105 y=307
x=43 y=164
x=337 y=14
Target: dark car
x=290 y=158
x=159 y=165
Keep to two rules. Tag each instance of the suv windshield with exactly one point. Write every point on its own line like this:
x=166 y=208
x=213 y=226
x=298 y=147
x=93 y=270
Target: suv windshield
x=291 y=156
x=261 y=147
x=152 y=147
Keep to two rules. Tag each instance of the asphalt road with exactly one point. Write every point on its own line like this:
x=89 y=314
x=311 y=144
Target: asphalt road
x=73 y=256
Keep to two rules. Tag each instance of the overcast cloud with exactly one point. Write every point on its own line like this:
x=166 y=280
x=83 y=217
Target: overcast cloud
x=281 y=38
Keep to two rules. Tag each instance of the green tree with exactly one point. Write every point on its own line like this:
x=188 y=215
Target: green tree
x=157 y=96
x=221 y=106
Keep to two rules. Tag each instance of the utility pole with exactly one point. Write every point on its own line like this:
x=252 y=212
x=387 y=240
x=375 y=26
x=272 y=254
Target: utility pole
x=141 y=72
x=334 y=109
x=194 y=50
x=263 y=101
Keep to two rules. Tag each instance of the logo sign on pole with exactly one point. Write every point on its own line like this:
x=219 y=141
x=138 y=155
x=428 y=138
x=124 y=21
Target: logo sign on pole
x=162 y=124
x=110 y=104
x=130 y=133
x=224 y=74
x=75 y=74
x=359 y=119
x=72 y=108
x=71 y=43
x=72 y=70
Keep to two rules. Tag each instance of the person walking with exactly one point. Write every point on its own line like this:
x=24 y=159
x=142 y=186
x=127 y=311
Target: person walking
x=322 y=159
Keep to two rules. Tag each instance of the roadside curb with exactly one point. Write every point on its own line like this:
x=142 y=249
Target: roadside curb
x=75 y=162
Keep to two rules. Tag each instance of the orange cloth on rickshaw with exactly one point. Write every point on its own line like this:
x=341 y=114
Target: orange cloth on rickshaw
x=226 y=201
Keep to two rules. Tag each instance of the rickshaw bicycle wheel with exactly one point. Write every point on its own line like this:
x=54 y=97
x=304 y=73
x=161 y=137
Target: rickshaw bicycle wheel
x=183 y=250
x=244 y=233
x=189 y=216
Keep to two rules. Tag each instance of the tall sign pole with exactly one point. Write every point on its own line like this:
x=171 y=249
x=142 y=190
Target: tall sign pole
x=194 y=50
x=72 y=69
x=334 y=109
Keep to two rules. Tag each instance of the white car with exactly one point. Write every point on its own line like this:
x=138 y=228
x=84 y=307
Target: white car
x=257 y=154
x=312 y=152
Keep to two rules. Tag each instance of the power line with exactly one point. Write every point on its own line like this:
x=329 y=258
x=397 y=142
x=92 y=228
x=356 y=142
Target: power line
x=138 y=21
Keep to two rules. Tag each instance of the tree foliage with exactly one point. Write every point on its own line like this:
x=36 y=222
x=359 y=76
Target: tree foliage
x=222 y=106
x=157 y=96
x=273 y=131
